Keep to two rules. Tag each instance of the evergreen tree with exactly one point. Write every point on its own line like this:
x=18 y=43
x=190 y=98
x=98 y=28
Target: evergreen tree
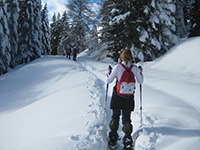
x=29 y=30
x=168 y=22
x=64 y=41
x=5 y=48
x=187 y=14
x=106 y=36
x=195 y=19
x=37 y=27
x=151 y=31
x=23 y=28
x=93 y=38
x=12 y=6
x=149 y=28
x=157 y=27
x=160 y=29
x=46 y=46
x=124 y=24
x=52 y=35
x=80 y=16
x=139 y=22
x=56 y=31
x=181 y=30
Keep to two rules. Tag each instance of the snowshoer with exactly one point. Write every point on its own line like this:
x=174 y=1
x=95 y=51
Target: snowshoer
x=122 y=101
x=74 y=54
x=68 y=53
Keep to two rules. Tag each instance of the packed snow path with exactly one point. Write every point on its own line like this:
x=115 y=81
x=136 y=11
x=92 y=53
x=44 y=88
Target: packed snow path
x=57 y=104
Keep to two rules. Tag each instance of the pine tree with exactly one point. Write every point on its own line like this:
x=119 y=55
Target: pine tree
x=181 y=30
x=37 y=27
x=125 y=22
x=195 y=21
x=148 y=28
x=65 y=40
x=156 y=23
x=80 y=16
x=139 y=22
x=149 y=46
x=187 y=14
x=104 y=23
x=93 y=38
x=52 y=37
x=56 y=31
x=107 y=37
x=29 y=30
x=168 y=22
x=46 y=45
x=5 y=48
x=12 y=6
x=23 y=28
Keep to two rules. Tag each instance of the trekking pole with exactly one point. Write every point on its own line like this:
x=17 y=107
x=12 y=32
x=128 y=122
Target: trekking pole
x=141 y=104
x=104 y=116
x=106 y=98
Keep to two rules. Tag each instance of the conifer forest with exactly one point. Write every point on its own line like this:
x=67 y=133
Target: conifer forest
x=148 y=27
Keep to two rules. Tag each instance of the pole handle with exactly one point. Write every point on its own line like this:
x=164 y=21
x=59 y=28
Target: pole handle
x=141 y=104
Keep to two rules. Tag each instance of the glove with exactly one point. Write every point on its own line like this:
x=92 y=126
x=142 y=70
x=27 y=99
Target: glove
x=109 y=71
x=140 y=68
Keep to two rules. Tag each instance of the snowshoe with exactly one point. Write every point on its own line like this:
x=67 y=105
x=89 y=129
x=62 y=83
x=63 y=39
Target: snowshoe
x=129 y=148
x=112 y=143
x=128 y=143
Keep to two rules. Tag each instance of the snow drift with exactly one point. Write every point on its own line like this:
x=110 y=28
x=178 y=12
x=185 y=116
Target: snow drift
x=182 y=58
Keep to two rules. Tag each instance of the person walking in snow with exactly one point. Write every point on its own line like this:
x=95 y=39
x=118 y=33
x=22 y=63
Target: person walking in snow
x=74 y=54
x=68 y=53
x=122 y=101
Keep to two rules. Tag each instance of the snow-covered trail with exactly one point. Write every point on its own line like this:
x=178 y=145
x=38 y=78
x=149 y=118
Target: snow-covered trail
x=99 y=70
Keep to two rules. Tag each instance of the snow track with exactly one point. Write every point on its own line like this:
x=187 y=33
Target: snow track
x=96 y=139
x=98 y=72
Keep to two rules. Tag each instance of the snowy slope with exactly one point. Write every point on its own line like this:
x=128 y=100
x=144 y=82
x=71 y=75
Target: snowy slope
x=47 y=104
x=171 y=99
x=56 y=104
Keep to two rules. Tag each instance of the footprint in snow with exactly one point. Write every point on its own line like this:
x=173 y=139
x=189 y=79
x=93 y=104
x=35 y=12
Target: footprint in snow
x=75 y=137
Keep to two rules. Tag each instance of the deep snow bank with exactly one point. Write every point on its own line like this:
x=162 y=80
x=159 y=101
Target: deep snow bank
x=182 y=58
x=171 y=100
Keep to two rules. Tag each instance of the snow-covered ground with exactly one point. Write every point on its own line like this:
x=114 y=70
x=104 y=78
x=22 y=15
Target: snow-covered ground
x=54 y=103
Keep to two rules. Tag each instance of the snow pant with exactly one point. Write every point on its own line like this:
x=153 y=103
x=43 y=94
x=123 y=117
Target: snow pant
x=68 y=55
x=127 y=126
x=126 y=115
x=74 y=57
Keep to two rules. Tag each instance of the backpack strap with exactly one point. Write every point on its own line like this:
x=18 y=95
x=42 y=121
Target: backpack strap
x=128 y=69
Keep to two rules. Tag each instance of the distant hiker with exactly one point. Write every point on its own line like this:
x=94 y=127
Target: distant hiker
x=68 y=52
x=122 y=101
x=74 y=54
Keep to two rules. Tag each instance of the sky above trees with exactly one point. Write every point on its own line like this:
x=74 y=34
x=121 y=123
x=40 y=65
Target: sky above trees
x=54 y=6
x=59 y=6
